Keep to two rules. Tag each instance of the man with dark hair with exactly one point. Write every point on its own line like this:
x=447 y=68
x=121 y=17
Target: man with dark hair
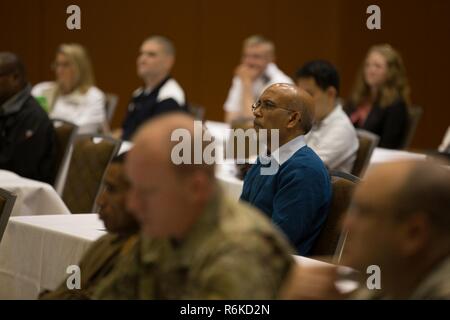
x=27 y=136
x=333 y=136
x=297 y=195
x=160 y=93
x=122 y=229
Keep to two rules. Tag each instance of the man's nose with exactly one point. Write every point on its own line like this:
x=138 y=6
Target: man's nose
x=257 y=112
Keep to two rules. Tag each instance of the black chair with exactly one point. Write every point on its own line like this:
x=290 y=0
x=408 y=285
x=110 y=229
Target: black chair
x=90 y=157
x=367 y=143
x=331 y=239
x=196 y=111
x=111 y=101
x=414 y=115
x=65 y=133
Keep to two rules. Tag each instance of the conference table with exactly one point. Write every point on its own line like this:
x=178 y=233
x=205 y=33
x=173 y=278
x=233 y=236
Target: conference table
x=33 y=197
x=36 y=251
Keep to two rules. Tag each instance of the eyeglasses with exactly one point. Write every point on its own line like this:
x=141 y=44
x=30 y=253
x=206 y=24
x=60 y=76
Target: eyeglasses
x=64 y=65
x=267 y=105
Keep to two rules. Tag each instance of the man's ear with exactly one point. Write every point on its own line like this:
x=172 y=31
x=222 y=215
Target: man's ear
x=294 y=119
x=415 y=233
x=198 y=186
x=331 y=92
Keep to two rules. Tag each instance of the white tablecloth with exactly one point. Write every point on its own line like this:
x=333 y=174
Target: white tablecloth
x=33 y=197
x=35 y=251
x=381 y=155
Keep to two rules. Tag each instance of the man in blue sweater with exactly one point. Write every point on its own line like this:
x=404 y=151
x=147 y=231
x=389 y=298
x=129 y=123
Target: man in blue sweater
x=297 y=196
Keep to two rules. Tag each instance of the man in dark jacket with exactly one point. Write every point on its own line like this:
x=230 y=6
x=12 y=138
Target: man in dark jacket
x=27 y=136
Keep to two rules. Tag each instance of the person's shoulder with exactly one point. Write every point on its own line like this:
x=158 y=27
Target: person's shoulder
x=171 y=90
x=41 y=87
x=95 y=92
x=305 y=164
x=305 y=158
x=341 y=125
x=33 y=110
x=241 y=221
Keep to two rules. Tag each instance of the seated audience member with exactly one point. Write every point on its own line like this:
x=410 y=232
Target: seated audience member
x=380 y=97
x=332 y=136
x=160 y=93
x=256 y=71
x=195 y=243
x=297 y=196
x=73 y=96
x=122 y=229
x=399 y=222
x=27 y=136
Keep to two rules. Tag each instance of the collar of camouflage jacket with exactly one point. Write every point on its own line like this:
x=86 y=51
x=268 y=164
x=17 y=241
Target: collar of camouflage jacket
x=427 y=288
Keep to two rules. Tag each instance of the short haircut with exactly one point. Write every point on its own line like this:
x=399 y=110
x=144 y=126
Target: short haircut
x=165 y=42
x=10 y=63
x=258 y=39
x=426 y=189
x=324 y=74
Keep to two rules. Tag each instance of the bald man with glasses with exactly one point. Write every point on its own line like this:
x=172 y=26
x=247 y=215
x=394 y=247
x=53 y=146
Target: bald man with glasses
x=296 y=195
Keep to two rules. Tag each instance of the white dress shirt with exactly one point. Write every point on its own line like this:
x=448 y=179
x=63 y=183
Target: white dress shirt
x=86 y=110
x=271 y=75
x=335 y=141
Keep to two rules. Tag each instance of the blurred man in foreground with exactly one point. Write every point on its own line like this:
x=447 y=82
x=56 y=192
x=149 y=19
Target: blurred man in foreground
x=400 y=222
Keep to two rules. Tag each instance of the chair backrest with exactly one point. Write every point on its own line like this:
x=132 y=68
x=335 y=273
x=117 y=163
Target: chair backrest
x=196 y=111
x=65 y=133
x=111 y=101
x=329 y=241
x=90 y=158
x=414 y=115
x=7 y=200
x=367 y=143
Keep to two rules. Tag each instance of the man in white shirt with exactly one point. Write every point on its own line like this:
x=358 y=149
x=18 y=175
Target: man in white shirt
x=332 y=137
x=160 y=93
x=256 y=72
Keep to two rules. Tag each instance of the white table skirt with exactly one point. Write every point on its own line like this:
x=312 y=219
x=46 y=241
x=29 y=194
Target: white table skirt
x=33 y=197
x=35 y=251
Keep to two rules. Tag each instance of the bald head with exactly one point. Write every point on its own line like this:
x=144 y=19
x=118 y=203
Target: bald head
x=415 y=186
x=297 y=99
x=156 y=140
x=166 y=198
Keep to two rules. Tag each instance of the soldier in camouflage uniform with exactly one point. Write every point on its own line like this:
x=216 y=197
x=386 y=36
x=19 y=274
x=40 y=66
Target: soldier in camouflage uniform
x=195 y=243
x=99 y=260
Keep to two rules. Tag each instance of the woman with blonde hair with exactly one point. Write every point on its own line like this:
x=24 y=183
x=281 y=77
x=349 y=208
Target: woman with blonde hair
x=380 y=96
x=73 y=96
